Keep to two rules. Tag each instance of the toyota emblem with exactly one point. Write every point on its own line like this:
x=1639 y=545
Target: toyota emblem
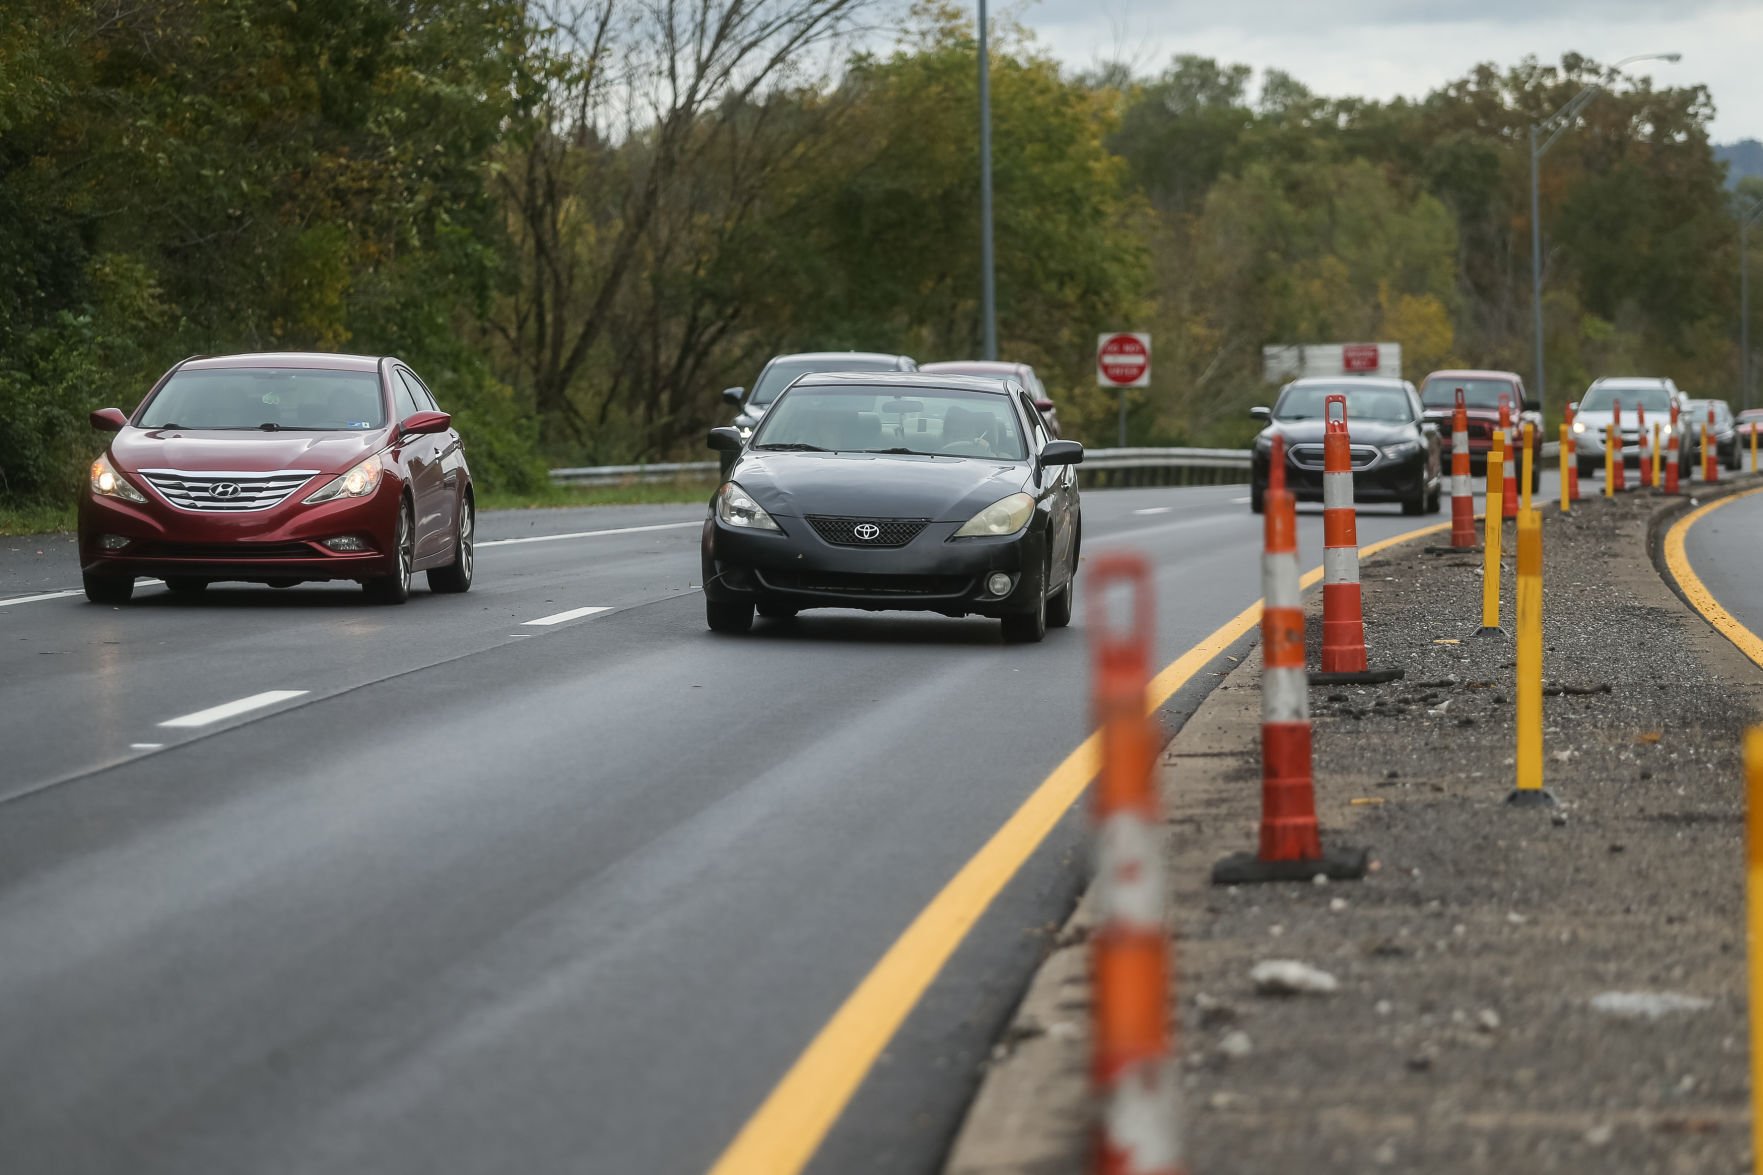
x=867 y=531
x=224 y=489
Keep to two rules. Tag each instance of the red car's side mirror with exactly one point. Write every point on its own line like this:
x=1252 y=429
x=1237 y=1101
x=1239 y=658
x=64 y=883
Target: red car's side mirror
x=108 y=420
x=421 y=422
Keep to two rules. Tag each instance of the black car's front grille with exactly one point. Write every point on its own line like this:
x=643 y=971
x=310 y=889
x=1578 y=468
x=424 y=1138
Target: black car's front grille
x=866 y=532
x=835 y=583
x=235 y=552
x=1310 y=456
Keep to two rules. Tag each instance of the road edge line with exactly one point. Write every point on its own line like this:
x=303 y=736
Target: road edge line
x=1675 y=553
x=783 y=1134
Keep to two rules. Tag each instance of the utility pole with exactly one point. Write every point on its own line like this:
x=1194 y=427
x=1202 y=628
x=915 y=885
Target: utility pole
x=987 y=283
x=1555 y=126
x=1747 y=216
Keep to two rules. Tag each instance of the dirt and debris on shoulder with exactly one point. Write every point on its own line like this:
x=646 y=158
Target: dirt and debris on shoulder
x=1511 y=990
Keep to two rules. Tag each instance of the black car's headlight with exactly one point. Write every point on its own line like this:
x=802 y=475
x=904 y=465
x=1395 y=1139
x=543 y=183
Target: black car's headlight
x=1402 y=451
x=108 y=483
x=1005 y=516
x=736 y=507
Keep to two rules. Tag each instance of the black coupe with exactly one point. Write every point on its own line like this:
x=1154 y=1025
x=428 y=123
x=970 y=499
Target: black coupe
x=896 y=491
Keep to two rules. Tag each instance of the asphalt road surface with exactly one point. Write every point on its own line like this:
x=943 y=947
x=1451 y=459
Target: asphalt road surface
x=1724 y=550
x=293 y=883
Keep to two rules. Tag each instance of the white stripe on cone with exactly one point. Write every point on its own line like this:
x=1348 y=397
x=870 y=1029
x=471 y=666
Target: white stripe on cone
x=1340 y=565
x=1279 y=579
x=1129 y=874
x=1337 y=491
x=1142 y=1116
x=1285 y=695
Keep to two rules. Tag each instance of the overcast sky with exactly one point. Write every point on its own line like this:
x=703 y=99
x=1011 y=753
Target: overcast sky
x=1381 y=48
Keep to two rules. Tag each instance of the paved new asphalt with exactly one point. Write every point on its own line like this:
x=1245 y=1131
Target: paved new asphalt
x=490 y=896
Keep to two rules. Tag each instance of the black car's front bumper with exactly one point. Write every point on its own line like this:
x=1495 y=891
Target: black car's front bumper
x=1400 y=480
x=935 y=572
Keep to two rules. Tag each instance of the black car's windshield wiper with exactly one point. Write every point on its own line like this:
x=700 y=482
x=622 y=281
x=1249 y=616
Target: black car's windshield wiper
x=903 y=449
x=794 y=447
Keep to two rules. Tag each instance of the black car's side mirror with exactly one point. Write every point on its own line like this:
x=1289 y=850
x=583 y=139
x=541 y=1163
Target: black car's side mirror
x=1261 y=412
x=108 y=419
x=724 y=440
x=734 y=395
x=1062 y=453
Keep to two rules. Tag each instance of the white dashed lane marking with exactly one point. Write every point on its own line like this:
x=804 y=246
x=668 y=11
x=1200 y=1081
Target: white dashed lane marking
x=232 y=709
x=560 y=617
x=34 y=599
x=588 y=534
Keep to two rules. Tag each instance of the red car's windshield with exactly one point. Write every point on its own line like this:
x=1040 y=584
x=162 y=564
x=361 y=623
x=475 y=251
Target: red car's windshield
x=1477 y=393
x=297 y=398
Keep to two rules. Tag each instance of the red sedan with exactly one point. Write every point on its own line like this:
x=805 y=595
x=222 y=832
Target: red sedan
x=279 y=469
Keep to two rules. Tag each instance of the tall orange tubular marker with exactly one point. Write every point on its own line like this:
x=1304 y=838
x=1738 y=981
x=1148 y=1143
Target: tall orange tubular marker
x=1343 y=618
x=1710 y=450
x=1570 y=446
x=1462 y=494
x=1618 y=468
x=1646 y=460
x=1658 y=454
x=1509 y=492
x=1140 y=1130
x=1291 y=845
x=1671 y=456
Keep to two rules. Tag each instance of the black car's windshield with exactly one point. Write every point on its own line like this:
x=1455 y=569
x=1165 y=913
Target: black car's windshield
x=1604 y=397
x=1364 y=402
x=780 y=374
x=268 y=397
x=1477 y=393
x=941 y=422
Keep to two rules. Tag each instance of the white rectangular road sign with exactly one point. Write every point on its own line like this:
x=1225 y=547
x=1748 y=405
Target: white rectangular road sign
x=1123 y=360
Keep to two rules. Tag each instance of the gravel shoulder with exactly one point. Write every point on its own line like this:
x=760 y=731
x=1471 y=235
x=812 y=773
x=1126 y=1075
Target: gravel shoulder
x=1467 y=1033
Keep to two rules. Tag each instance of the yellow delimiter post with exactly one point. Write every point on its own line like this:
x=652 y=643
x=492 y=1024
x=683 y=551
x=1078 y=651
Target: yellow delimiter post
x=1525 y=472
x=1754 y=926
x=1658 y=481
x=1491 y=528
x=1609 y=462
x=1566 y=456
x=1528 y=620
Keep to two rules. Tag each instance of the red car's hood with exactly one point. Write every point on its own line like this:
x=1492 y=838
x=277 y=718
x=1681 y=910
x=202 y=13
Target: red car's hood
x=193 y=451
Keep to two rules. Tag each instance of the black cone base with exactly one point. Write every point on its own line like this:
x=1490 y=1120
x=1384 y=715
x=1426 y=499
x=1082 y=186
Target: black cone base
x=1485 y=631
x=1368 y=677
x=1534 y=797
x=1334 y=864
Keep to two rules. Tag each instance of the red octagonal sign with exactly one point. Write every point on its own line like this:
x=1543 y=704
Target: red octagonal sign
x=1123 y=360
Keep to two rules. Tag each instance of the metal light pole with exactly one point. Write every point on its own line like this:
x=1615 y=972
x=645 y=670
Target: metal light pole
x=1555 y=126
x=1746 y=217
x=988 y=297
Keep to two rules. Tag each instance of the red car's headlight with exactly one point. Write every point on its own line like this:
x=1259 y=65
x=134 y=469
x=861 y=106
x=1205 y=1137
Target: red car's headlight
x=108 y=483
x=359 y=482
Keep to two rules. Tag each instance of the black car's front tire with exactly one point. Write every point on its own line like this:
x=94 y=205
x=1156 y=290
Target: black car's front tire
x=730 y=616
x=1027 y=628
x=107 y=589
x=1059 y=607
x=1257 y=498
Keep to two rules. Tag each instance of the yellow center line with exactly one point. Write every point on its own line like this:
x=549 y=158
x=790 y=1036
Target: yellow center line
x=1677 y=562
x=788 y=1127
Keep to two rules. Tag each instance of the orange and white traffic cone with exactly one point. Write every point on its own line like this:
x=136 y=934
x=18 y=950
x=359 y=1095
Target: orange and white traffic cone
x=1618 y=472
x=1646 y=459
x=1710 y=451
x=1140 y=1130
x=1509 y=491
x=1671 y=453
x=1462 y=493
x=1572 y=447
x=1344 y=659
x=1291 y=844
